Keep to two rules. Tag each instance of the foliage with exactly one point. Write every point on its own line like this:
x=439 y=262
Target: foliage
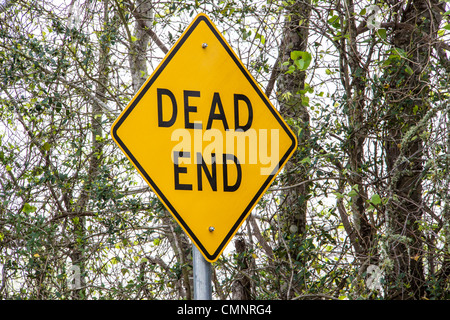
x=77 y=222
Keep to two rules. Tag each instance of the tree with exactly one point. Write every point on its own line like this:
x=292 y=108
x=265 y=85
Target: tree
x=291 y=86
x=361 y=211
x=407 y=105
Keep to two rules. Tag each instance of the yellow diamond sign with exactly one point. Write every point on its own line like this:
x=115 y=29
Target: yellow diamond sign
x=205 y=137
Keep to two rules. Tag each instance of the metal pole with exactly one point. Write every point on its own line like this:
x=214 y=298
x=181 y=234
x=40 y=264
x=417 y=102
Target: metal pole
x=202 y=276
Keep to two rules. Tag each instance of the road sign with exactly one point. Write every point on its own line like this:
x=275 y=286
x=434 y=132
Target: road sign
x=205 y=137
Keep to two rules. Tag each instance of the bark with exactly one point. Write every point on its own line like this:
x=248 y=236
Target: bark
x=138 y=49
x=95 y=161
x=445 y=271
x=289 y=87
x=407 y=105
x=241 y=289
x=182 y=248
x=142 y=11
x=356 y=101
x=295 y=39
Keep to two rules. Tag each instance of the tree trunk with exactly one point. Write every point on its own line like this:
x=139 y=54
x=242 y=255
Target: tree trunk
x=292 y=106
x=355 y=89
x=95 y=161
x=242 y=288
x=137 y=54
x=407 y=105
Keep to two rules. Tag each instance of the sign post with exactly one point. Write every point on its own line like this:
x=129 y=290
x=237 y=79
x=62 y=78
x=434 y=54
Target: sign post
x=202 y=276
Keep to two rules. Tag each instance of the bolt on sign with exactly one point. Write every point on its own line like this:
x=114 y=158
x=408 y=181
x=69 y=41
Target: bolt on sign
x=205 y=137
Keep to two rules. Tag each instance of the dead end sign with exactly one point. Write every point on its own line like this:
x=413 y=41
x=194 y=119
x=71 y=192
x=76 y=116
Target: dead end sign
x=205 y=137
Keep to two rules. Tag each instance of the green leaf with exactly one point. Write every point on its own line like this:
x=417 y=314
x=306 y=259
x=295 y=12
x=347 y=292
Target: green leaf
x=27 y=208
x=338 y=195
x=408 y=70
x=300 y=64
x=301 y=59
x=353 y=193
x=382 y=33
x=144 y=260
x=306 y=160
x=305 y=100
x=376 y=199
x=334 y=21
x=290 y=70
x=46 y=146
x=261 y=38
x=295 y=55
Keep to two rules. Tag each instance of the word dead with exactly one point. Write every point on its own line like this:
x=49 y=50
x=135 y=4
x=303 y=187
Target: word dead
x=239 y=101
